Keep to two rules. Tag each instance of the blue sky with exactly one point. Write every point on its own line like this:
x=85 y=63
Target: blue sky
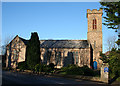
x=52 y=20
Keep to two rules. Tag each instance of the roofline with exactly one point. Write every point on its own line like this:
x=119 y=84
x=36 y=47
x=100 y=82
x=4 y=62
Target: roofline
x=12 y=40
x=65 y=48
x=61 y=40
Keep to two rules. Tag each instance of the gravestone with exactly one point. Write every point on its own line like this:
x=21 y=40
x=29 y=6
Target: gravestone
x=105 y=72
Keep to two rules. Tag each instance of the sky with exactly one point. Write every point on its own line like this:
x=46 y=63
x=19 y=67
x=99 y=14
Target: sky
x=51 y=20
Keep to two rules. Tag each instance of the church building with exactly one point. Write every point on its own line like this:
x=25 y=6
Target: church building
x=64 y=52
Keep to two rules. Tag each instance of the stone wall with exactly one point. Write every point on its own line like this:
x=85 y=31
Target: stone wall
x=15 y=52
x=68 y=56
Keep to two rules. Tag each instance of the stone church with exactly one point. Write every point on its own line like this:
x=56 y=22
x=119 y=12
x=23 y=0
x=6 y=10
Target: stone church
x=64 y=52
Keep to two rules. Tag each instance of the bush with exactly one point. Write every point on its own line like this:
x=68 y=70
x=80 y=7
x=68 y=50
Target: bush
x=114 y=62
x=9 y=68
x=45 y=68
x=51 y=65
x=76 y=70
x=72 y=70
x=22 y=65
x=38 y=68
x=64 y=68
x=87 y=71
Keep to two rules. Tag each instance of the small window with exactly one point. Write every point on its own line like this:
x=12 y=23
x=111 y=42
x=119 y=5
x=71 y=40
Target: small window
x=94 y=24
x=94 y=44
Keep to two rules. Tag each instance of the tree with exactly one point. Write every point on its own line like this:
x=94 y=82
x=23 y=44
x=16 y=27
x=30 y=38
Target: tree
x=112 y=18
x=114 y=61
x=33 y=51
x=104 y=58
x=5 y=43
x=111 y=43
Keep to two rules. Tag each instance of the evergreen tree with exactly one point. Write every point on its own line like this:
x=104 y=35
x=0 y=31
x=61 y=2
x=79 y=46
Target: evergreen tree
x=33 y=51
x=112 y=18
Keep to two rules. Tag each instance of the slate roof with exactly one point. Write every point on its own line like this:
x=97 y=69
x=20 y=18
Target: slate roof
x=61 y=43
x=64 y=44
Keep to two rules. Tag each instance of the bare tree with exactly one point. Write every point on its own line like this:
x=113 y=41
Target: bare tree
x=0 y=47
x=6 y=41
x=110 y=43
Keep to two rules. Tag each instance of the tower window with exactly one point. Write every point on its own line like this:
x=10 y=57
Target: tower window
x=94 y=24
x=94 y=44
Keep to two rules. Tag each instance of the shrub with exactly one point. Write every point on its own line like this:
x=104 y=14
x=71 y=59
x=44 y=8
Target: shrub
x=87 y=71
x=72 y=70
x=64 y=68
x=97 y=73
x=46 y=68
x=38 y=68
x=51 y=65
x=22 y=65
x=9 y=68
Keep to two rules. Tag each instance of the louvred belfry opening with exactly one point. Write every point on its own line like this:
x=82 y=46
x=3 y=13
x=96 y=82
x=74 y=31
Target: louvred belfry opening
x=94 y=24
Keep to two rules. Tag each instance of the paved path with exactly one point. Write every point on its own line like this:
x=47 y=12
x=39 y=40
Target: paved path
x=11 y=78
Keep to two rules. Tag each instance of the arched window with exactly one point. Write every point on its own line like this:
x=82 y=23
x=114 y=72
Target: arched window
x=94 y=24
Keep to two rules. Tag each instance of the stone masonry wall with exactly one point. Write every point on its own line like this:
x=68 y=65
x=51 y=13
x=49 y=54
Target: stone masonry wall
x=94 y=36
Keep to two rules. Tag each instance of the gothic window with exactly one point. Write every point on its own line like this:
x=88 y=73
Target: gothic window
x=94 y=24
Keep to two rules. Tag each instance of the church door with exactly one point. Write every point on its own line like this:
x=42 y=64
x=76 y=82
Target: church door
x=95 y=65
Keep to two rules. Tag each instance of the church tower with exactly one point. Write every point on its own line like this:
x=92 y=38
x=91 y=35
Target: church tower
x=94 y=35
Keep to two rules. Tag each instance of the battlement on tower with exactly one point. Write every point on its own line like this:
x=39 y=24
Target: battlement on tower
x=94 y=11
